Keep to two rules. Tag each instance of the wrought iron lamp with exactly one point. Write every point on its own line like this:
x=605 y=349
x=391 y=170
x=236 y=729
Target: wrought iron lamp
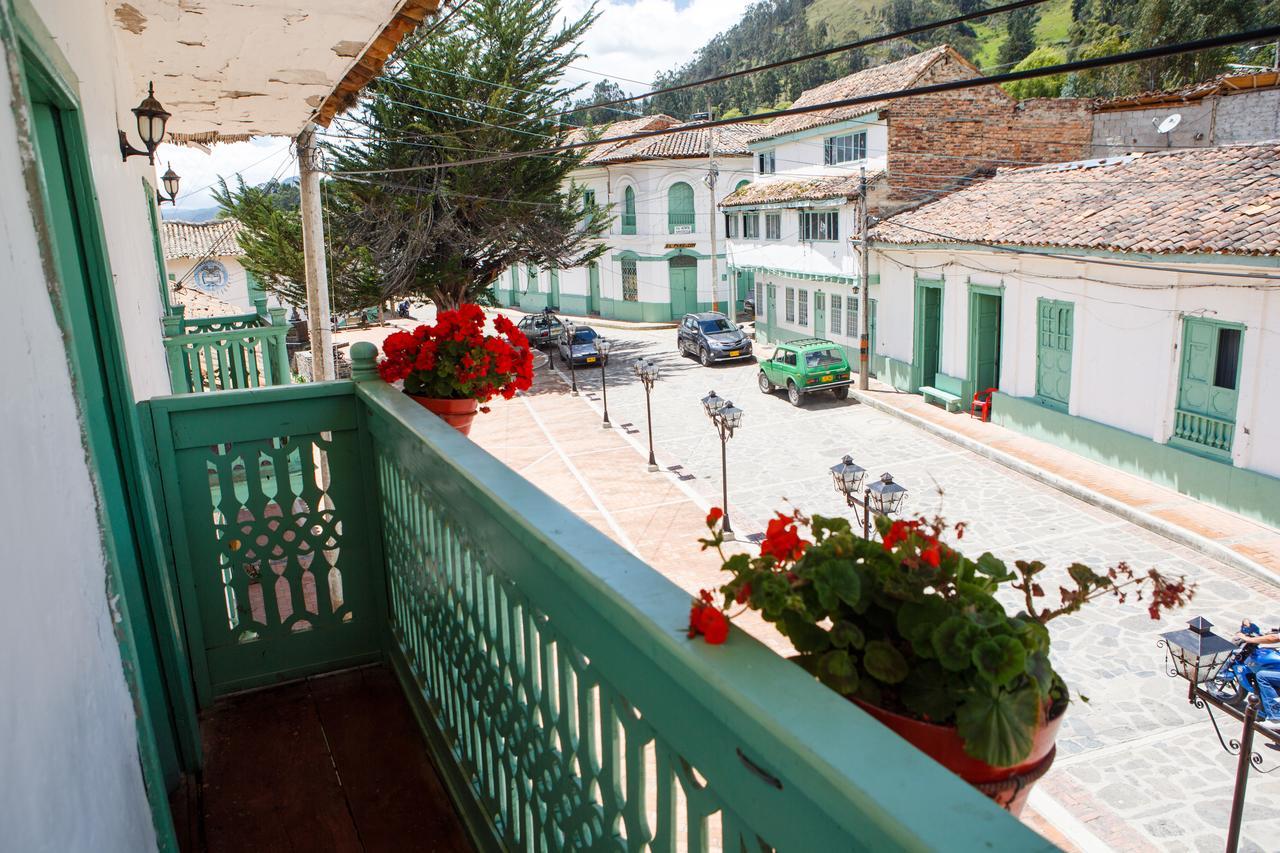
x=603 y=346
x=1196 y=654
x=151 y=118
x=883 y=497
x=169 y=180
x=647 y=373
x=726 y=417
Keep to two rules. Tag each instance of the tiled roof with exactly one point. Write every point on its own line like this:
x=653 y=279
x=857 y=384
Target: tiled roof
x=730 y=140
x=1223 y=84
x=617 y=128
x=779 y=191
x=883 y=78
x=197 y=239
x=1205 y=200
x=198 y=305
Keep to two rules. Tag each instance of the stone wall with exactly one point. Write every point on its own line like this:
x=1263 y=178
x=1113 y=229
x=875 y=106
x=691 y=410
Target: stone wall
x=1249 y=116
x=943 y=141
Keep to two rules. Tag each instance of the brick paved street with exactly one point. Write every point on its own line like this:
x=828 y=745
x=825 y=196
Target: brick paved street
x=1137 y=768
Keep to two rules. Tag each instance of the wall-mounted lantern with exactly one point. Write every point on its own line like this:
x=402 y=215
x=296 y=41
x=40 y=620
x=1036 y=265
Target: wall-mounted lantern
x=151 y=118
x=170 y=181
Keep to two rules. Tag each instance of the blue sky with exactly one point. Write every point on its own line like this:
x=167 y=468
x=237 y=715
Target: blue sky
x=631 y=42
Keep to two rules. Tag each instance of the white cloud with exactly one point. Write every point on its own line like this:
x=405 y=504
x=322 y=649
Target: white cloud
x=634 y=41
x=630 y=41
x=258 y=160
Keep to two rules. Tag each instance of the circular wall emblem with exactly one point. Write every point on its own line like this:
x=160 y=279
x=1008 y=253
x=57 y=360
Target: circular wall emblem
x=211 y=277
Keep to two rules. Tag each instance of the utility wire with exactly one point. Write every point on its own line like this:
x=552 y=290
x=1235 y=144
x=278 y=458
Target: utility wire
x=1158 y=52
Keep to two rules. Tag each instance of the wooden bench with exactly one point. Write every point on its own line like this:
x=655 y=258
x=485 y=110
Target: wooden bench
x=945 y=389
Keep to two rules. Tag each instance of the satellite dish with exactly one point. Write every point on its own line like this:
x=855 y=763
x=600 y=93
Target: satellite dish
x=1169 y=123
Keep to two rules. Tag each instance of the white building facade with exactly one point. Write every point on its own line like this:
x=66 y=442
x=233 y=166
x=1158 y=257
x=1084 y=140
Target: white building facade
x=205 y=256
x=658 y=265
x=1116 y=313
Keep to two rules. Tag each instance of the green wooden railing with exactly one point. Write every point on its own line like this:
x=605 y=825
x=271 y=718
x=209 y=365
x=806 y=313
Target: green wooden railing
x=1213 y=434
x=226 y=353
x=548 y=666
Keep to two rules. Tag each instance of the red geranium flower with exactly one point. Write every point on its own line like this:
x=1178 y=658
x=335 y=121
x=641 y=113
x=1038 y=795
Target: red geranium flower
x=714 y=516
x=782 y=540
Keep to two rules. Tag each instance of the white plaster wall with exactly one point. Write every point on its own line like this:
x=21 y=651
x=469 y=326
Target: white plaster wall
x=836 y=257
x=68 y=743
x=1127 y=333
x=237 y=292
x=801 y=159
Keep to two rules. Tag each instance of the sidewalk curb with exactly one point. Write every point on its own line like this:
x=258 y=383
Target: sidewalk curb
x=1181 y=535
x=598 y=321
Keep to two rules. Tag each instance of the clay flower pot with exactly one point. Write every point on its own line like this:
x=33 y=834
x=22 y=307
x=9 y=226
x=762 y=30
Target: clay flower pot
x=1008 y=786
x=456 y=413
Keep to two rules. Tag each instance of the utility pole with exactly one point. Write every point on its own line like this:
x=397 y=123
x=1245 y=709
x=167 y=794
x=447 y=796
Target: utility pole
x=712 y=173
x=864 y=289
x=313 y=255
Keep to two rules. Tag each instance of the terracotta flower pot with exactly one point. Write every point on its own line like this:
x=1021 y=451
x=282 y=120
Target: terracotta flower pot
x=456 y=413
x=1008 y=786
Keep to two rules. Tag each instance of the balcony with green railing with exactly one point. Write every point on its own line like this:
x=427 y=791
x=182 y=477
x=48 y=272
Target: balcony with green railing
x=333 y=525
x=226 y=353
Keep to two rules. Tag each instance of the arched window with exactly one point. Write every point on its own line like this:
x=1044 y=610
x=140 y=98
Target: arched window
x=680 y=208
x=740 y=185
x=629 y=211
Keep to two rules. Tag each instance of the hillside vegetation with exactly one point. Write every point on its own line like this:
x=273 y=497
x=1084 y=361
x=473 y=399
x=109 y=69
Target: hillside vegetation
x=1055 y=31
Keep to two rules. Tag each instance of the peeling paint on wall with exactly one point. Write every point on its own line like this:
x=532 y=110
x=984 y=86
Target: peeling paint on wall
x=348 y=48
x=130 y=18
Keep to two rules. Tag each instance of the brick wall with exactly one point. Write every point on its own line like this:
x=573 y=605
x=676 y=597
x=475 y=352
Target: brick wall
x=944 y=141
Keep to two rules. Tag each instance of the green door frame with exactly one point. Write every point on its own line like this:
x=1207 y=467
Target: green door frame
x=593 y=288
x=976 y=292
x=917 y=364
x=77 y=267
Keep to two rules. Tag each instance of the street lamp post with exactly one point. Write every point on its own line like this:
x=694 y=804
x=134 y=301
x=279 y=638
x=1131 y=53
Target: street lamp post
x=603 y=345
x=726 y=417
x=647 y=372
x=570 y=331
x=883 y=497
x=1196 y=654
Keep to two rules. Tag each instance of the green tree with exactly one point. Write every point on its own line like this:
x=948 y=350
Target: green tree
x=1039 y=87
x=602 y=91
x=1020 y=37
x=405 y=191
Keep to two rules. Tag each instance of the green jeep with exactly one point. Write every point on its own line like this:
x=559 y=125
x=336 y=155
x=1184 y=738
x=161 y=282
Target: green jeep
x=805 y=366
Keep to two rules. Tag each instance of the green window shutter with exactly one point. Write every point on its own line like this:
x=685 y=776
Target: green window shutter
x=680 y=208
x=532 y=273
x=150 y=194
x=1054 y=339
x=629 y=211
x=1208 y=386
x=630 y=280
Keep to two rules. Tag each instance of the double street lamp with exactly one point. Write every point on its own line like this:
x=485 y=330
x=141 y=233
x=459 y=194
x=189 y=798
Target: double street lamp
x=726 y=417
x=647 y=373
x=603 y=346
x=1196 y=654
x=570 y=332
x=883 y=497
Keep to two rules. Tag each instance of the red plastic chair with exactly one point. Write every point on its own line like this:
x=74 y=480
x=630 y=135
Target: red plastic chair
x=981 y=405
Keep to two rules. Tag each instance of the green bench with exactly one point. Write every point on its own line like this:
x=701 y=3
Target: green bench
x=945 y=389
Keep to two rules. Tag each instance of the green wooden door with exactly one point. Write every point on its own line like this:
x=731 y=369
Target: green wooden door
x=554 y=300
x=928 y=333
x=1056 y=324
x=683 y=277
x=513 y=297
x=86 y=307
x=1208 y=385
x=771 y=307
x=819 y=314
x=984 y=340
x=593 y=288
x=871 y=335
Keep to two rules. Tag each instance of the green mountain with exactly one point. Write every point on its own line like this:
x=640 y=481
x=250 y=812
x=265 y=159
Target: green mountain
x=1042 y=35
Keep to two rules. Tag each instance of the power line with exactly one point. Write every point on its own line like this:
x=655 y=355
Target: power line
x=827 y=51
x=1157 y=52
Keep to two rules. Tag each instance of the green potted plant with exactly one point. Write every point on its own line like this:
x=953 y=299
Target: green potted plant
x=453 y=366
x=914 y=632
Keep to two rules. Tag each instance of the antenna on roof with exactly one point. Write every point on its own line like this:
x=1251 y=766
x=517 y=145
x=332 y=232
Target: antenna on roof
x=1166 y=126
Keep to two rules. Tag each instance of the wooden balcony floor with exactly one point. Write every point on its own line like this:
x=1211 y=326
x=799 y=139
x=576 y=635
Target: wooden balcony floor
x=332 y=763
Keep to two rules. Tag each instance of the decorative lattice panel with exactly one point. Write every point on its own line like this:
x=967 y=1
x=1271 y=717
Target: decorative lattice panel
x=558 y=756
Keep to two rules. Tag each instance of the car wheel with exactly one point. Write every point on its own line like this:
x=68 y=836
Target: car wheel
x=704 y=356
x=794 y=395
x=766 y=387
x=842 y=393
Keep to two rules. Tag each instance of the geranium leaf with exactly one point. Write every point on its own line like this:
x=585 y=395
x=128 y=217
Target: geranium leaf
x=837 y=671
x=884 y=662
x=953 y=643
x=998 y=727
x=805 y=636
x=1041 y=672
x=847 y=635
x=928 y=692
x=917 y=620
x=1000 y=659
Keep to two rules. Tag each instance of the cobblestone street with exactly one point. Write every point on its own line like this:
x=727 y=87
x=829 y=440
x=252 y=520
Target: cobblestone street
x=1137 y=767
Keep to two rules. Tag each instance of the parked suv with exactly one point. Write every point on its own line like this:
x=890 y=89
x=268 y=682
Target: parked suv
x=712 y=337
x=541 y=329
x=805 y=366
